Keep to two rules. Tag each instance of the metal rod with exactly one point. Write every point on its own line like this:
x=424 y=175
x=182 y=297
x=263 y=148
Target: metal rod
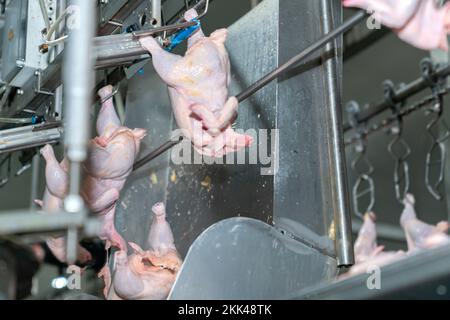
x=353 y=21
x=156 y=153
x=400 y=95
x=350 y=23
x=26 y=222
x=156 y=12
x=178 y=26
x=339 y=194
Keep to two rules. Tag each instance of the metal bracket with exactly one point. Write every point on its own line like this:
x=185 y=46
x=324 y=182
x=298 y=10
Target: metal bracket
x=38 y=88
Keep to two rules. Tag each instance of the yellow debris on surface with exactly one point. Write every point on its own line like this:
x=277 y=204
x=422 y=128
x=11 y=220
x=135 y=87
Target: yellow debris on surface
x=173 y=176
x=154 y=178
x=206 y=183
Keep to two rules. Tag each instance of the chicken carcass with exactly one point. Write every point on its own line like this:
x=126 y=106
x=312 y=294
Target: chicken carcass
x=110 y=160
x=420 y=235
x=367 y=253
x=420 y=23
x=366 y=242
x=150 y=274
x=198 y=88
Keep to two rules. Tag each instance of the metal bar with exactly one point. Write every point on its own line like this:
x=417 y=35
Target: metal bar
x=341 y=210
x=352 y=49
x=156 y=12
x=400 y=95
x=350 y=23
x=51 y=78
x=156 y=153
x=27 y=222
x=78 y=77
x=121 y=49
x=26 y=137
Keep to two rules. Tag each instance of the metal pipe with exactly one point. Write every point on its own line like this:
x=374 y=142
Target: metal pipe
x=400 y=95
x=27 y=137
x=78 y=78
x=78 y=75
x=350 y=23
x=156 y=153
x=339 y=190
x=156 y=12
x=27 y=222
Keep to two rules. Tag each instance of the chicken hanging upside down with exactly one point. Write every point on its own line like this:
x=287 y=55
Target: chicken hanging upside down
x=110 y=160
x=145 y=274
x=420 y=23
x=198 y=88
x=419 y=236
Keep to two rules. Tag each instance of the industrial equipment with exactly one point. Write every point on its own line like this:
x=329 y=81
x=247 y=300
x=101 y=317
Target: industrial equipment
x=274 y=229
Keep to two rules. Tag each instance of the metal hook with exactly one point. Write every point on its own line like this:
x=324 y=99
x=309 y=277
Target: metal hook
x=364 y=184
x=401 y=167
x=115 y=91
x=204 y=11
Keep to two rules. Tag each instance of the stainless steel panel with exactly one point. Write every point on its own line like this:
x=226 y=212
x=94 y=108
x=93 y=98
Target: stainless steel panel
x=306 y=193
x=241 y=258
x=233 y=190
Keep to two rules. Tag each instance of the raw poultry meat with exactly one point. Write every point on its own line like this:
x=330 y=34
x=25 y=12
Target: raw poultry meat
x=366 y=243
x=110 y=161
x=367 y=253
x=198 y=88
x=420 y=235
x=111 y=158
x=56 y=189
x=149 y=274
x=420 y=23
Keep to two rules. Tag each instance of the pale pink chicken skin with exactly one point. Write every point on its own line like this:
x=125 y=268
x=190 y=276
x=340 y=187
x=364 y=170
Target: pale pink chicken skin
x=366 y=242
x=110 y=161
x=198 y=88
x=55 y=190
x=367 y=253
x=420 y=23
x=420 y=235
x=150 y=274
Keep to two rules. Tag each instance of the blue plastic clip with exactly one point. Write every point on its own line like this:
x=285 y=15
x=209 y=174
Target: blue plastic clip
x=182 y=35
